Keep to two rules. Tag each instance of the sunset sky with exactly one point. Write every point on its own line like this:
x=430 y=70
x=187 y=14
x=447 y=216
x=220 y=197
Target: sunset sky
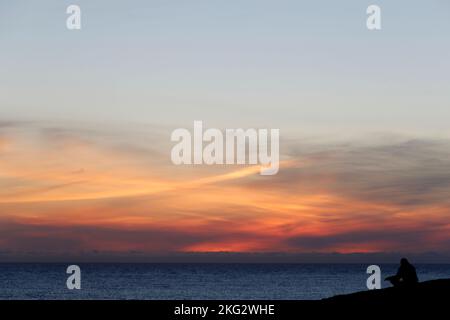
x=86 y=118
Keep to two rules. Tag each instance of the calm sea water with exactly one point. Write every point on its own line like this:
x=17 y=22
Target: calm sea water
x=194 y=281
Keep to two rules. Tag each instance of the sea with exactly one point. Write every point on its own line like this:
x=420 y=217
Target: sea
x=158 y=281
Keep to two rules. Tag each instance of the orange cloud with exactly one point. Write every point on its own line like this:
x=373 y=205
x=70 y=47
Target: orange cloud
x=94 y=195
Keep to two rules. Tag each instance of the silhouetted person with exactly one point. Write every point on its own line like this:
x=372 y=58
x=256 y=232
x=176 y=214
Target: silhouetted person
x=406 y=274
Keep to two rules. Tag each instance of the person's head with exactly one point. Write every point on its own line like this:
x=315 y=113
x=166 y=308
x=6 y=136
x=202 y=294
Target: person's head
x=404 y=261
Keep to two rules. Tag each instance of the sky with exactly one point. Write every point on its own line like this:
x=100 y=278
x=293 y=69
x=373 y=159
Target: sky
x=86 y=117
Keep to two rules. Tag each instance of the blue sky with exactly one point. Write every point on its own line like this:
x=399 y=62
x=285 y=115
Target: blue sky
x=292 y=65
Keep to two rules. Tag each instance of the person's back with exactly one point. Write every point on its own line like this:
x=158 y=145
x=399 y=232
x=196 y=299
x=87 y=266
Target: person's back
x=406 y=274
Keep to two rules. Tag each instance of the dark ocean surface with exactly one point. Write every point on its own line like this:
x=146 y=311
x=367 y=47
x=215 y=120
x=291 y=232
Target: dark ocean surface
x=195 y=281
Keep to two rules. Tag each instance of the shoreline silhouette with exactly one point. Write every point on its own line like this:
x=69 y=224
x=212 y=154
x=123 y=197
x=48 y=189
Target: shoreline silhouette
x=431 y=291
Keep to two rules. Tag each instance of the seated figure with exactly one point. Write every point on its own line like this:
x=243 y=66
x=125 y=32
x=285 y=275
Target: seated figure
x=406 y=274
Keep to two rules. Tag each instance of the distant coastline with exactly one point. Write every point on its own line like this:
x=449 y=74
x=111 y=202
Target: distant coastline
x=221 y=257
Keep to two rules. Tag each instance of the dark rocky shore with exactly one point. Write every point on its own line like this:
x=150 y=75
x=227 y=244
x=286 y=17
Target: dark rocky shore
x=429 y=292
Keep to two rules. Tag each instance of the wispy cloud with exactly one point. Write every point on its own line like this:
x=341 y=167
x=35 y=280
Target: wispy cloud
x=89 y=189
